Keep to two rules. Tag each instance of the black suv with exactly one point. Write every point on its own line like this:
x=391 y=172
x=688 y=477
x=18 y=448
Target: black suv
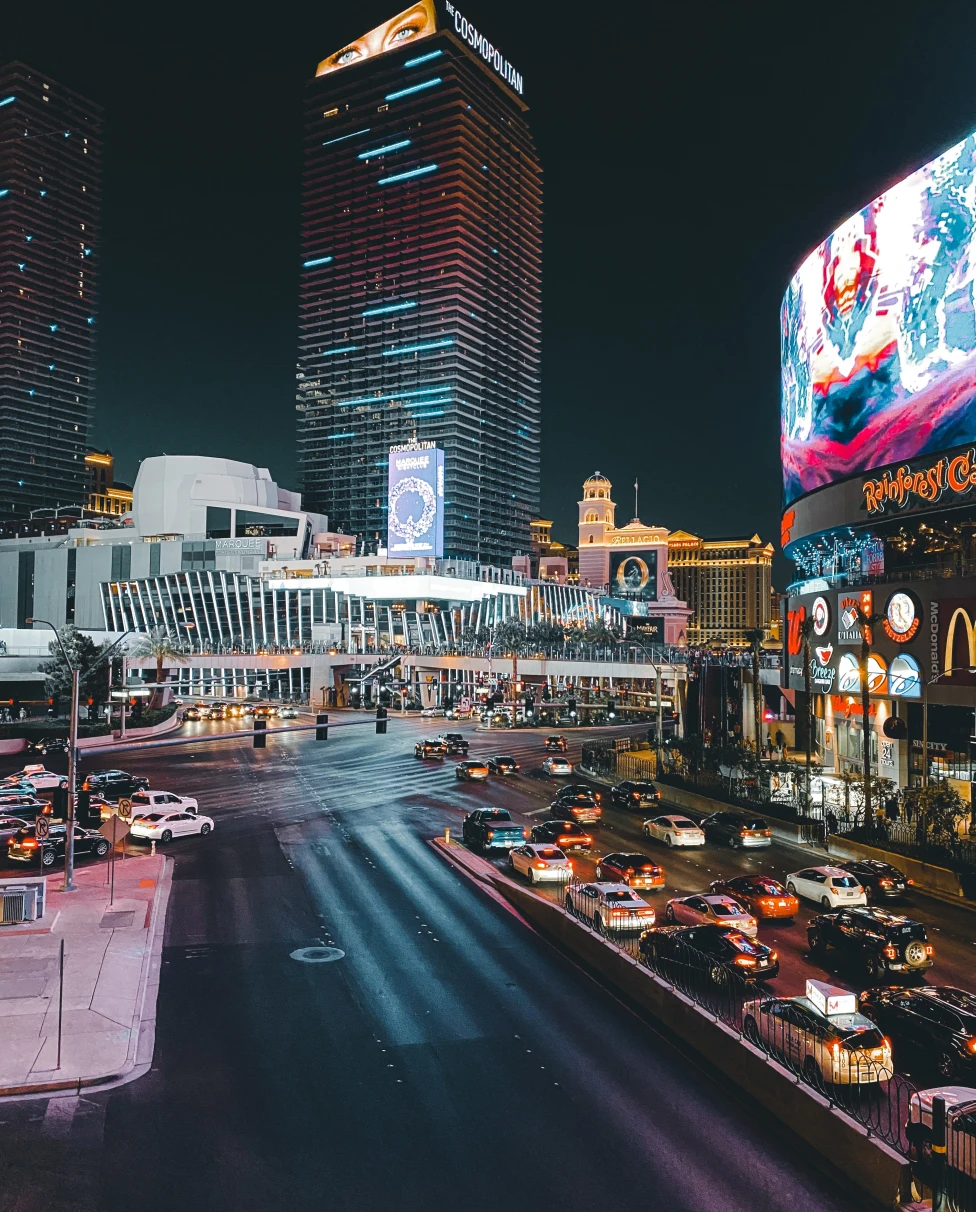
x=24 y=846
x=736 y=830
x=116 y=784
x=882 y=943
x=454 y=743
x=879 y=880
x=635 y=795
x=710 y=951
x=933 y=1026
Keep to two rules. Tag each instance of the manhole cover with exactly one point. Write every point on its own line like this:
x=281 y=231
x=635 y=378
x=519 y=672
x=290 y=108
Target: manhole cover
x=317 y=955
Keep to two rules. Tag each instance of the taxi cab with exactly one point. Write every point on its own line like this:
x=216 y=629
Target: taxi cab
x=821 y=1035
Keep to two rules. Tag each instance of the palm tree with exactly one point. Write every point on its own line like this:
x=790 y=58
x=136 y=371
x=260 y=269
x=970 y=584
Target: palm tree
x=865 y=622
x=756 y=637
x=161 y=646
x=806 y=633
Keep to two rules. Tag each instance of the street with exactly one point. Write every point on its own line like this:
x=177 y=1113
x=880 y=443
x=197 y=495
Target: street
x=449 y=1056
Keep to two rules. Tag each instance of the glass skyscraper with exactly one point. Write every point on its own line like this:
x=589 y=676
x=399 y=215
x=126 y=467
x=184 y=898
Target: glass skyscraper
x=421 y=282
x=50 y=179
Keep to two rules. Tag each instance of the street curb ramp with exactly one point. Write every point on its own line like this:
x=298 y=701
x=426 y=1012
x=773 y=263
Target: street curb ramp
x=869 y=1163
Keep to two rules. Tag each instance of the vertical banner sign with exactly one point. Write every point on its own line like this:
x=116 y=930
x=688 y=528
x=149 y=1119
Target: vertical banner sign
x=415 y=500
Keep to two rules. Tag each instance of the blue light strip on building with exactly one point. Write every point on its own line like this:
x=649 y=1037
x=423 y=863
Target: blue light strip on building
x=397 y=395
x=381 y=151
x=380 y=311
x=408 y=349
x=316 y=261
x=334 y=437
x=414 y=172
x=414 y=88
x=423 y=59
x=7 y=101
x=438 y=412
x=364 y=131
x=330 y=353
x=4 y=192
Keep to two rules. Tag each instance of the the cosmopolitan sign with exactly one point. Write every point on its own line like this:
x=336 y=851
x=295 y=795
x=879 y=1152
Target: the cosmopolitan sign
x=480 y=44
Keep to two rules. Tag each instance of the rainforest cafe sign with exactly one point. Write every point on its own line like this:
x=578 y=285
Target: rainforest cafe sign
x=905 y=487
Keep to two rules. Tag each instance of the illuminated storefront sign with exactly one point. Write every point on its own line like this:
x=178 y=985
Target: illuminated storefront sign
x=905 y=677
x=905 y=487
x=821 y=616
x=794 y=630
x=849 y=674
x=415 y=518
x=902 y=619
x=848 y=605
x=959 y=614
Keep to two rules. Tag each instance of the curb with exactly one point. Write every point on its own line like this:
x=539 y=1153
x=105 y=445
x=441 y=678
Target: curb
x=142 y=1032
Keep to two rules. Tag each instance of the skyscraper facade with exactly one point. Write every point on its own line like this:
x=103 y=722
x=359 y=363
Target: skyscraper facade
x=421 y=281
x=50 y=174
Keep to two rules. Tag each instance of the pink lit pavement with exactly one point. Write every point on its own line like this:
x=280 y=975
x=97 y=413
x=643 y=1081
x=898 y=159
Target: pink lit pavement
x=111 y=979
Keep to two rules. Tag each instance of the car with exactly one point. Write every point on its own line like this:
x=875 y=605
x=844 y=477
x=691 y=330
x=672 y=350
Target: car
x=932 y=1028
x=35 y=775
x=503 y=764
x=557 y=765
x=145 y=802
x=430 y=749
x=567 y=835
x=822 y=1036
x=714 y=951
x=609 y=906
x=698 y=909
x=634 y=870
x=960 y=1153
x=49 y=744
x=876 y=940
x=9 y=825
x=215 y=713
x=735 y=830
x=581 y=807
x=25 y=803
x=831 y=887
x=762 y=896
x=630 y=794
x=288 y=713
x=115 y=784
x=568 y=790
x=454 y=743
x=471 y=771
x=247 y=709
x=14 y=787
x=880 y=881
x=194 y=713
x=674 y=831
x=555 y=744
x=164 y=826
x=431 y=713
x=540 y=863
x=24 y=846
x=492 y=829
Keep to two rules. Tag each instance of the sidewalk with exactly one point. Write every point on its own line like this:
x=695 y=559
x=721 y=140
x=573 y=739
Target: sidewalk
x=111 y=979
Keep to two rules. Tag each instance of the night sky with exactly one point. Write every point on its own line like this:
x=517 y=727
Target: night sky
x=693 y=154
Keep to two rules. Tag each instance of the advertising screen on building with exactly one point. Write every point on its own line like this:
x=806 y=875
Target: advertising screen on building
x=415 y=501
x=417 y=21
x=633 y=574
x=878 y=332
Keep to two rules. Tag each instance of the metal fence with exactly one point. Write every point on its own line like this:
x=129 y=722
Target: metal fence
x=881 y=1106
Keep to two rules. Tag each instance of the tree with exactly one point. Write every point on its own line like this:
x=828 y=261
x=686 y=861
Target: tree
x=546 y=635
x=806 y=633
x=756 y=637
x=161 y=646
x=865 y=622
x=510 y=636
x=82 y=652
x=938 y=810
x=600 y=634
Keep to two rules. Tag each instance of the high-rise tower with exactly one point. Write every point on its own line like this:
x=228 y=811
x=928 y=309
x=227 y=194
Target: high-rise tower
x=50 y=174
x=421 y=281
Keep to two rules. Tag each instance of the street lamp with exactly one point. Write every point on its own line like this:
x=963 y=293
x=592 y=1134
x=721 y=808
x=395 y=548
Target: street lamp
x=925 y=713
x=69 y=884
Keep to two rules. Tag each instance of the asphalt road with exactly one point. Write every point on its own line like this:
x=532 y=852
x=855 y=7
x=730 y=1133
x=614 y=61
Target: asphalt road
x=450 y=1057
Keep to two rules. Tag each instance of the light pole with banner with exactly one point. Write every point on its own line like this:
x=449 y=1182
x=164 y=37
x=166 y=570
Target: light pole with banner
x=69 y=884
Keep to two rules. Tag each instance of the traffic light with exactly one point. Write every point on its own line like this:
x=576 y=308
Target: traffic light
x=571 y=704
x=612 y=708
x=321 y=727
x=260 y=740
x=381 y=721
x=546 y=696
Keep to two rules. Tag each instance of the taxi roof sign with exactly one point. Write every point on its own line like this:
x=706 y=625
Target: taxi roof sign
x=830 y=1000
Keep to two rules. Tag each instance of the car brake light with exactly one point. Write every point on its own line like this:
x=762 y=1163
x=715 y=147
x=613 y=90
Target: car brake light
x=491 y=834
x=745 y=832
x=569 y=862
x=885 y=883
x=774 y=955
x=971 y=1045
x=28 y=844
x=911 y=883
x=891 y=952
x=540 y=866
x=745 y=961
x=929 y=950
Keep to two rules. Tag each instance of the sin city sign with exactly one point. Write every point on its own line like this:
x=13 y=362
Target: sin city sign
x=907 y=487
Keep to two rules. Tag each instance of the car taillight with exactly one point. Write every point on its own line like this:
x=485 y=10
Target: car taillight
x=28 y=844
x=525 y=833
x=929 y=950
x=745 y=833
x=774 y=955
x=540 y=866
x=885 y=883
x=491 y=834
x=767 y=833
x=971 y=1046
x=745 y=961
x=891 y=952
x=910 y=883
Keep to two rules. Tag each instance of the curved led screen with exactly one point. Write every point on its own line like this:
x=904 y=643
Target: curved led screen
x=878 y=332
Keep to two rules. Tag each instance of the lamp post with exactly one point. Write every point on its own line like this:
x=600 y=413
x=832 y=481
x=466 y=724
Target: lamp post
x=925 y=713
x=69 y=884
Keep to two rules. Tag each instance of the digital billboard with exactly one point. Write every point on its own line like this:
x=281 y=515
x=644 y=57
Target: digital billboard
x=878 y=332
x=415 y=501
x=417 y=21
x=633 y=575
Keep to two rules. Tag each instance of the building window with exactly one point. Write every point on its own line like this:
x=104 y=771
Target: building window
x=154 y=550
x=248 y=523
x=25 y=587
x=198 y=557
x=121 y=562
x=69 y=592
x=218 y=522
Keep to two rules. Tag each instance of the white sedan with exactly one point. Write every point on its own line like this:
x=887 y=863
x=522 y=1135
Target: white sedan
x=716 y=910
x=164 y=826
x=557 y=765
x=35 y=774
x=831 y=887
x=610 y=906
x=145 y=802
x=287 y=713
x=674 y=831
x=540 y=863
